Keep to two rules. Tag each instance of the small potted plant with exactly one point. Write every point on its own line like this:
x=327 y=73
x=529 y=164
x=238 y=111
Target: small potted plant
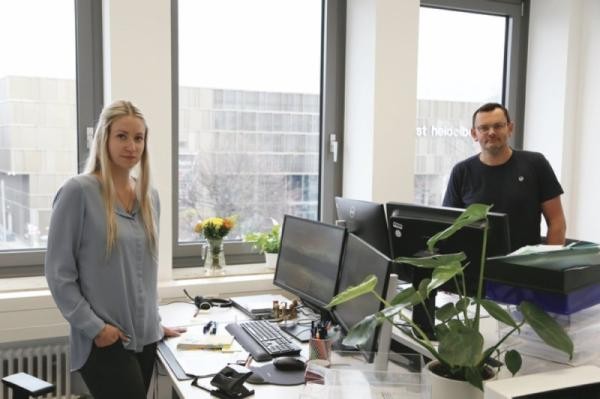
x=459 y=354
x=267 y=243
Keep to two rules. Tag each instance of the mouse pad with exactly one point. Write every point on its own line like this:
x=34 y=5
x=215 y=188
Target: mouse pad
x=271 y=375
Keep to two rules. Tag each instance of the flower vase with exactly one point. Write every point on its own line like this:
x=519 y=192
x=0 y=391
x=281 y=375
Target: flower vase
x=215 y=258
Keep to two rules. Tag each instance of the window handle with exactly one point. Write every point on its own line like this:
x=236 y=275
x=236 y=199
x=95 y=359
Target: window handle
x=333 y=146
x=89 y=133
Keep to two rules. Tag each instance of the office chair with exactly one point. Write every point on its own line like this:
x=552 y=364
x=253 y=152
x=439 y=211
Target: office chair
x=24 y=385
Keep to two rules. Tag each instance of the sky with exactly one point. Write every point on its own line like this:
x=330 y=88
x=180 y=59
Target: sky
x=265 y=45
x=460 y=56
x=37 y=38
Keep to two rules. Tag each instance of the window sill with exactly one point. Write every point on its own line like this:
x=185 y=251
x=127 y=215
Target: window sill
x=30 y=313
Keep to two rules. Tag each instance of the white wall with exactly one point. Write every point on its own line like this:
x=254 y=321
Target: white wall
x=137 y=67
x=563 y=93
x=381 y=99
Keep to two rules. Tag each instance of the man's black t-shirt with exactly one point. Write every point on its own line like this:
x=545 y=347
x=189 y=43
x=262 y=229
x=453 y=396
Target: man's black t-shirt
x=517 y=187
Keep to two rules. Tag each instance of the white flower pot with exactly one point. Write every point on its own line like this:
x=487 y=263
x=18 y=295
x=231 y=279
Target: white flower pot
x=438 y=387
x=271 y=260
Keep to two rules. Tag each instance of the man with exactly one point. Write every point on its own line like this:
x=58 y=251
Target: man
x=519 y=183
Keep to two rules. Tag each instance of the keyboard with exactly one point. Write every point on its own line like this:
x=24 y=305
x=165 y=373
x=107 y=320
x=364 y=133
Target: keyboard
x=270 y=337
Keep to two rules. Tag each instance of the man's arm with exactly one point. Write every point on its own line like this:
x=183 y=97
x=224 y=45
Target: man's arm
x=555 y=219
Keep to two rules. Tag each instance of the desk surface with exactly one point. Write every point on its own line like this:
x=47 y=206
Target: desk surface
x=182 y=314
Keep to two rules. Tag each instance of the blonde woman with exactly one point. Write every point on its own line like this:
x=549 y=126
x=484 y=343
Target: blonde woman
x=101 y=263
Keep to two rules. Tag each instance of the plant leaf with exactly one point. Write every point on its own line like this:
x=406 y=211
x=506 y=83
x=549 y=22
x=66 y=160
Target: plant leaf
x=391 y=311
x=442 y=274
x=472 y=214
x=362 y=331
x=407 y=295
x=474 y=378
x=440 y=330
x=546 y=327
x=497 y=312
x=368 y=284
x=446 y=312
x=463 y=303
x=461 y=346
x=422 y=290
x=431 y=262
x=513 y=361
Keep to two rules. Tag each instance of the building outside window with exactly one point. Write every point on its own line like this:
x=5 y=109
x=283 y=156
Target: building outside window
x=249 y=112
x=462 y=63
x=38 y=116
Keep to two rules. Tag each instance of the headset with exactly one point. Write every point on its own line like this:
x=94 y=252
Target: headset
x=205 y=303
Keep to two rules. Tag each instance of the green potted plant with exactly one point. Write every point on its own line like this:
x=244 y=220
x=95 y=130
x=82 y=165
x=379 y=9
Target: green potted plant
x=459 y=354
x=267 y=243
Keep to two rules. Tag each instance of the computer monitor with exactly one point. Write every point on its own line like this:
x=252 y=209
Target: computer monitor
x=308 y=264
x=360 y=260
x=412 y=225
x=366 y=220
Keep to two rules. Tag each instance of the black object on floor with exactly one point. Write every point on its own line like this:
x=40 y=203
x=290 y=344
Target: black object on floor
x=24 y=385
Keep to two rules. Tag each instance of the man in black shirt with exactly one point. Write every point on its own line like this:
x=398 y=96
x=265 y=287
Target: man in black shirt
x=519 y=183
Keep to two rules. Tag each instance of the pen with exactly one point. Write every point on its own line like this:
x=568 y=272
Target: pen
x=208 y=326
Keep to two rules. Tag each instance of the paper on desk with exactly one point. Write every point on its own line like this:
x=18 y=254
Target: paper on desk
x=534 y=249
x=205 y=361
x=205 y=341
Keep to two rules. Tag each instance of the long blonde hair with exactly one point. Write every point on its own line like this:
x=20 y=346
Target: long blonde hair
x=99 y=163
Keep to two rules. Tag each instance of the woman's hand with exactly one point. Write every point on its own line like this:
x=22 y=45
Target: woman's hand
x=109 y=335
x=173 y=331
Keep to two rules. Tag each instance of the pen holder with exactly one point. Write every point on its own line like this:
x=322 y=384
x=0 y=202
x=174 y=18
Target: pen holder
x=319 y=348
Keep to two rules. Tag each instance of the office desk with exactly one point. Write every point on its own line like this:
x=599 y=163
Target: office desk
x=182 y=314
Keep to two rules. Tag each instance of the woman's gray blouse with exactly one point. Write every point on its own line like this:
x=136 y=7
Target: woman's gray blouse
x=92 y=288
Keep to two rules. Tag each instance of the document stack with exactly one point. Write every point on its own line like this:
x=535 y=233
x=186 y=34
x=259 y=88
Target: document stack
x=582 y=327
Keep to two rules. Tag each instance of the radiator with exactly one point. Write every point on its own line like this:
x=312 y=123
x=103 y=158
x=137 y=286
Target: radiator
x=49 y=362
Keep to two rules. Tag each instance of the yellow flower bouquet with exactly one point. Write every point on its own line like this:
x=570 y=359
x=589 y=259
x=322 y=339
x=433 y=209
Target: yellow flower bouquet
x=214 y=229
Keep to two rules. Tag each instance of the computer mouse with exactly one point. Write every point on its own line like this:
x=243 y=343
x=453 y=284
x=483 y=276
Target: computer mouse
x=255 y=379
x=289 y=364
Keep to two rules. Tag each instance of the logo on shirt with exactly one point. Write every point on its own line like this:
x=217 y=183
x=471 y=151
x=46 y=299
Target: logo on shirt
x=521 y=179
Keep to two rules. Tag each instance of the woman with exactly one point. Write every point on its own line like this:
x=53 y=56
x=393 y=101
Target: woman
x=101 y=263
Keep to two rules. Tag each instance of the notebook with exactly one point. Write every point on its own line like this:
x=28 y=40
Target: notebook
x=206 y=341
x=258 y=306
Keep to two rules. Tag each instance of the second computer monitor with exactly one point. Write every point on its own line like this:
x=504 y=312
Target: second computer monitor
x=365 y=219
x=309 y=260
x=360 y=260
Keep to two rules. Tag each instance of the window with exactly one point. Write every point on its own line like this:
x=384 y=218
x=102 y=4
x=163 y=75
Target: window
x=467 y=57
x=249 y=114
x=40 y=115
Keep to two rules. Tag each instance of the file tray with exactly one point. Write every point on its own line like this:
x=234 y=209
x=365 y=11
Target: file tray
x=352 y=383
x=348 y=376
x=564 y=281
x=562 y=271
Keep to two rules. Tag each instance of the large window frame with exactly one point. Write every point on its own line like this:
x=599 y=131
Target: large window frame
x=89 y=99
x=333 y=26
x=515 y=68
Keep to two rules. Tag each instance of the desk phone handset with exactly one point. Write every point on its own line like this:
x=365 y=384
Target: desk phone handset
x=229 y=383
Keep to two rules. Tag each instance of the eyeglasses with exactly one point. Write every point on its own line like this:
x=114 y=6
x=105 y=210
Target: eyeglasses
x=485 y=129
